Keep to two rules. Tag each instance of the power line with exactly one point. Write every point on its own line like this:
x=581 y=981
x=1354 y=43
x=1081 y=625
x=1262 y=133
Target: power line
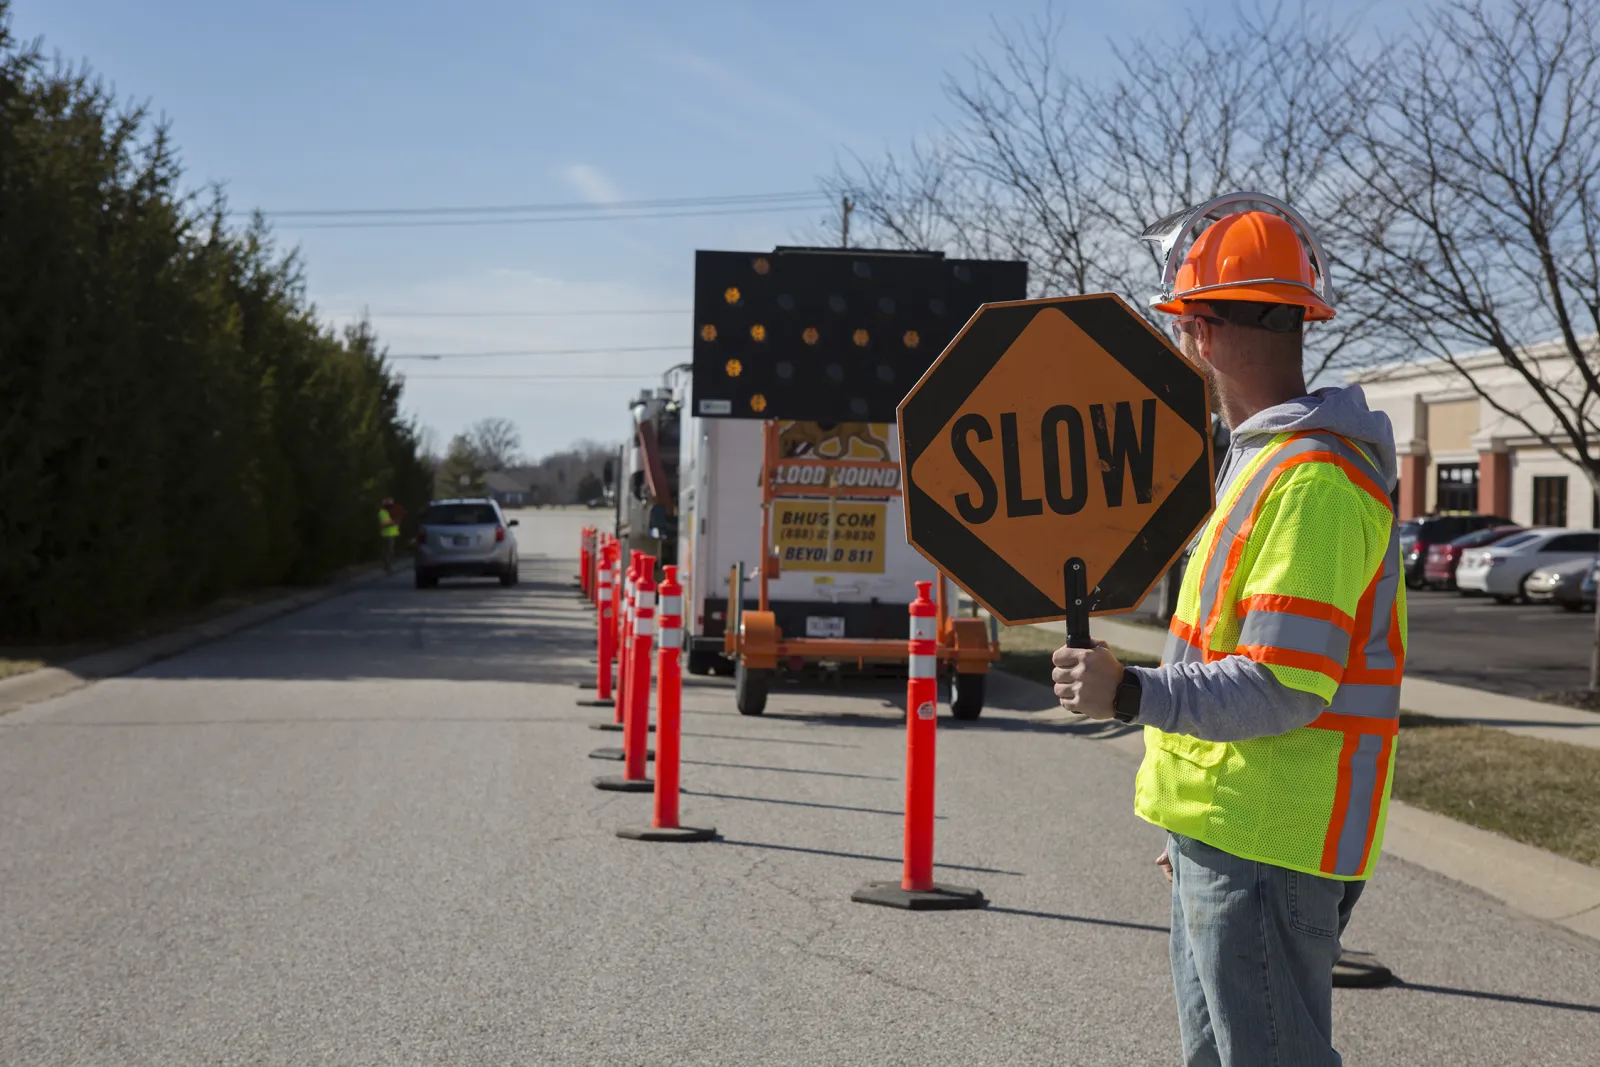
x=651 y=375
x=522 y=209
x=509 y=314
x=495 y=354
x=607 y=216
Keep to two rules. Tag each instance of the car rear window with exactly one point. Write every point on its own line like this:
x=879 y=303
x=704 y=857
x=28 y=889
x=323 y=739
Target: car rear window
x=1516 y=539
x=1580 y=542
x=1480 y=537
x=460 y=515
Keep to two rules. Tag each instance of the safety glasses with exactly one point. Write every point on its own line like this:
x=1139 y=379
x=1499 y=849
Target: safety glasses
x=1176 y=325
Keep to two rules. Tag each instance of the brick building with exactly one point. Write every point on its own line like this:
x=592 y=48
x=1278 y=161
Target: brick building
x=1457 y=453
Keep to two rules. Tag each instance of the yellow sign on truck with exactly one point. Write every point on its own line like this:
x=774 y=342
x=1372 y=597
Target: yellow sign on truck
x=846 y=537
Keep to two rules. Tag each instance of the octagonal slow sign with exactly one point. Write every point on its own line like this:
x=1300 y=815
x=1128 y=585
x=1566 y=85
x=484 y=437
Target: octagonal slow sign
x=1051 y=433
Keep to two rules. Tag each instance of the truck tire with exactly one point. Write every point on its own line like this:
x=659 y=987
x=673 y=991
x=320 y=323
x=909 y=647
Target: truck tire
x=750 y=688
x=703 y=661
x=425 y=580
x=966 y=695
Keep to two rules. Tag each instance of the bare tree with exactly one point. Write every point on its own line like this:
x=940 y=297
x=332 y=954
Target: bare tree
x=1471 y=210
x=1042 y=165
x=496 y=442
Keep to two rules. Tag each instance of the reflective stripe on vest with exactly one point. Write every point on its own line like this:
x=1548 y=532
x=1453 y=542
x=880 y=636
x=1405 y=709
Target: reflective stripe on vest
x=1362 y=656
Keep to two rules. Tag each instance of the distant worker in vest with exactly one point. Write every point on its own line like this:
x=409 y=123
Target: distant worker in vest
x=1270 y=724
x=388 y=530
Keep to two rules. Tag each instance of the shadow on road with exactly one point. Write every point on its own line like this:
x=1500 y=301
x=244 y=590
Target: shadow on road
x=862 y=856
x=1060 y=917
x=787 y=770
x=1504 y=998
x=798 y=803
x=539 y=631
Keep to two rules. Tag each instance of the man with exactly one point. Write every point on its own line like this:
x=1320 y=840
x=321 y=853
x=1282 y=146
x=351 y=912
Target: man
x=388 y=530
x=1270 y=724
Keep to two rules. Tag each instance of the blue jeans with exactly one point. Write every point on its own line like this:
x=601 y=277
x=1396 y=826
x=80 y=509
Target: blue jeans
x=1253 y=949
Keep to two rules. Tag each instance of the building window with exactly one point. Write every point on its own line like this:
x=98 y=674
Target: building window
x=1550 y=501
x=1458 y=487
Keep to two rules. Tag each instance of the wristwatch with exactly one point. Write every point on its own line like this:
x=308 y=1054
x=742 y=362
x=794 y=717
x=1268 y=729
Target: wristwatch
x=1126 y=704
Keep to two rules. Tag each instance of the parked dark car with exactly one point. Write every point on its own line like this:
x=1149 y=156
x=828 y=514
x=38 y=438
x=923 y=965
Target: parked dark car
x=1422 y=533
x=1439 y=570
x=1585 y=599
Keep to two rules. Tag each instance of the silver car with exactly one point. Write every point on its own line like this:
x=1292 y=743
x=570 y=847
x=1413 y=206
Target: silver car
x=465 y=538
x=1558 y=582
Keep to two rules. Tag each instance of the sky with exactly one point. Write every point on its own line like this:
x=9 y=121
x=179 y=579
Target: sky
x=314 y=105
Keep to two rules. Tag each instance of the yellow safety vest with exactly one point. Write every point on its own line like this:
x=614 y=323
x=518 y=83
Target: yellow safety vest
x=1299 y=570
x=386 y=525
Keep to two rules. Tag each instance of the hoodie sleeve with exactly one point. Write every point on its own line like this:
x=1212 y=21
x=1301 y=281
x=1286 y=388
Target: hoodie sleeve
x=1233 y=699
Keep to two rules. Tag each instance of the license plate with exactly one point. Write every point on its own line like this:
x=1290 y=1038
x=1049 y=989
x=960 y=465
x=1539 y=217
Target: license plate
x=462 y=542
x=824 y=626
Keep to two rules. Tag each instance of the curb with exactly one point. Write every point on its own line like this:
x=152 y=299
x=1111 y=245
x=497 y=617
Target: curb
x=1530 y=880
x=47 y=683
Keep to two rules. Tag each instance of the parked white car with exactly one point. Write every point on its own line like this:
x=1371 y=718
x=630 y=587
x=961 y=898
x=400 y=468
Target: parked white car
x=1501 y=569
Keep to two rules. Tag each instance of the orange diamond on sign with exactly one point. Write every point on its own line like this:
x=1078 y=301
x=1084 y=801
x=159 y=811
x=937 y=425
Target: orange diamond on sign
x=1049 y=431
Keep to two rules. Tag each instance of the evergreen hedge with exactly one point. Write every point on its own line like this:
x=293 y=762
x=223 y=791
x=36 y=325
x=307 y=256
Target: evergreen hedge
x=174 y=421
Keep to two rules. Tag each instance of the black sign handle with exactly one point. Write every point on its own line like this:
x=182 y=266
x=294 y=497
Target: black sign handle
x=1077 y=603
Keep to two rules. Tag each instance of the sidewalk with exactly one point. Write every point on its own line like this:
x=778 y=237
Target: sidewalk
x=46 y=683
x=1551 y=722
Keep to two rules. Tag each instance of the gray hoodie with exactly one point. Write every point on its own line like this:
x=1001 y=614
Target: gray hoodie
x=1234 y=698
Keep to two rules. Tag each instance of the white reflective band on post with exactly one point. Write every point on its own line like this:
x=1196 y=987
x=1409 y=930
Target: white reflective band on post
x=923 y=666
x=645 y=624
x=605 y=592
x=923 y=627
x=645 y=599
x=671 y=636
x=672 y=605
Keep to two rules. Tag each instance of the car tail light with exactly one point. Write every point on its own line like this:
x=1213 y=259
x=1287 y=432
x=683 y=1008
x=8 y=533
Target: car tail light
x=499 y=534
x=422 y=536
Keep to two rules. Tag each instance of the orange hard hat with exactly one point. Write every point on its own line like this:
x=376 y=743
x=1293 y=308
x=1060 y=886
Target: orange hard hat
x=1248 y=255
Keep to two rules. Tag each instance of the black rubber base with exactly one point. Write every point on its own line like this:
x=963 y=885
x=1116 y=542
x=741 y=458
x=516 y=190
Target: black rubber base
x=585 y=685
x=676 y=833
x=939 y=898
x=1360 y=970
x=596 y=702
x=618 y=784
x=614 y=752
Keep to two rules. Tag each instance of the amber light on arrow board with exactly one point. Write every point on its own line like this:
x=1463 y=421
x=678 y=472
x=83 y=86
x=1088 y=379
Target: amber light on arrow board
x=734 y=368
x=758 y=333
x=732 y=295
x=809 y=335
x=708 y=332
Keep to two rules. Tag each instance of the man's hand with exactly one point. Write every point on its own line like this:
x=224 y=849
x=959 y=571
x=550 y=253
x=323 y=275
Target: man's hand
x=1164 y=861
x=1087 y=679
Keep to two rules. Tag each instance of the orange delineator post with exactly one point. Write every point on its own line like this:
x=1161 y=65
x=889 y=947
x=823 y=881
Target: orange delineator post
x=916 y=890
x=625 y=643
x=605 y=627
x=636 y=727
x=583 y=561
x=922 y=702
x=669 y=701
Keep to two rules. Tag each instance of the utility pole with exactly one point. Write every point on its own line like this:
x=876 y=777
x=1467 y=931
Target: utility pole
x=846 y=205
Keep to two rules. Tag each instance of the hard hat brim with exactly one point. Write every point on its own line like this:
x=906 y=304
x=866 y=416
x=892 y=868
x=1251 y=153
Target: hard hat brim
x=1317 y=309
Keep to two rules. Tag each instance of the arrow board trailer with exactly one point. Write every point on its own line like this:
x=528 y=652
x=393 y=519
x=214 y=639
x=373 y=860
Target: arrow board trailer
x=795 y=499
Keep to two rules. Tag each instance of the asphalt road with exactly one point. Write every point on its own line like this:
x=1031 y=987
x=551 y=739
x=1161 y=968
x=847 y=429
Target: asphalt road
x=365 y=834
x=1519 y=649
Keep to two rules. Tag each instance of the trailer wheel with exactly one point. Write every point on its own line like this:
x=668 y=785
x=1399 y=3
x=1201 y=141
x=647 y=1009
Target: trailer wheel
x=966 y=695
x=703 y=661
x=750 y=688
